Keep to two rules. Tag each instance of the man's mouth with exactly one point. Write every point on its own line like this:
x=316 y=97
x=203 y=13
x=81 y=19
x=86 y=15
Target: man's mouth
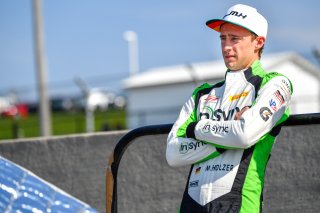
x=229 y=56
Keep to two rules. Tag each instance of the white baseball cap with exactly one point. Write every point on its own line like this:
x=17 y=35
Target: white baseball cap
x=243 y=16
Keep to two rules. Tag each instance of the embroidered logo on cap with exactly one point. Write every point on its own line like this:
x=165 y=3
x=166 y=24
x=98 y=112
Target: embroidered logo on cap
x=235 y=13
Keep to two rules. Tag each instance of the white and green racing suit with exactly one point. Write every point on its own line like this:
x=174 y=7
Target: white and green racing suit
x=229 y=156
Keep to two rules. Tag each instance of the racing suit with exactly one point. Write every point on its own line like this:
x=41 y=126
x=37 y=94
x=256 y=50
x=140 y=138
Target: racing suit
x=228 y=156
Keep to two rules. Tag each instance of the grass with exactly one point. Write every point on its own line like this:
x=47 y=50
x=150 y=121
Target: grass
x=62 y=123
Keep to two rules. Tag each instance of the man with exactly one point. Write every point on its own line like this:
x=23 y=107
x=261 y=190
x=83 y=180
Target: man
x=226 y=131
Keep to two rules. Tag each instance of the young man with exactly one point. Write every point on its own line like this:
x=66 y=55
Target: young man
x=226 y=131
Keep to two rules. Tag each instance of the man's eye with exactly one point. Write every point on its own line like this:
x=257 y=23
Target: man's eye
x=235 y=38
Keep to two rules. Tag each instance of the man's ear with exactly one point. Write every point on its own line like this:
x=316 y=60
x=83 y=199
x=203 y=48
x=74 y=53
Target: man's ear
x=260 y=40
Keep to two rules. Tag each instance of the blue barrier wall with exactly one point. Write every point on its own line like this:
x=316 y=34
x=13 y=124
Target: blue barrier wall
x=22 y=191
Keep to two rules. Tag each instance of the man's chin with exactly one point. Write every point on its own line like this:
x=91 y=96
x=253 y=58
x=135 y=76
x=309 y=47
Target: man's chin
x=230 y=65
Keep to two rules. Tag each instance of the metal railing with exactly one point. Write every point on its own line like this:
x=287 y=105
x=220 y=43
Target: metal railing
x=127 y=139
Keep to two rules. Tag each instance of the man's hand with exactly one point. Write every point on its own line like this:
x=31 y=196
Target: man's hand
x=190 y=130
x=239 y=114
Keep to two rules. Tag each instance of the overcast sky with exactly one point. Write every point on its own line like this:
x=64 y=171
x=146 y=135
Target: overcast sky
x=85 y=38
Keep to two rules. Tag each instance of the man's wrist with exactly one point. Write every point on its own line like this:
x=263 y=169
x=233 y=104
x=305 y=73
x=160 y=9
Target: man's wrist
x=190 y=130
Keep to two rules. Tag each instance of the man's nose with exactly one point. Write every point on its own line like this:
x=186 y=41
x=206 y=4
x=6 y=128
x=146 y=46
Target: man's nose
x=226 y=46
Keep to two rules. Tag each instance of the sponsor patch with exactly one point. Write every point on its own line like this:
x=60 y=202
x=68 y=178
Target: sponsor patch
x=198 y=170
x=286 y=84
x=194 y=183
x=279 y=97
x=215 y=129
x=186 y=146
x=273 y=104
x=218 y=114
x=265 y=113
x=238 y=96
x=211 y=98
x=284 y=89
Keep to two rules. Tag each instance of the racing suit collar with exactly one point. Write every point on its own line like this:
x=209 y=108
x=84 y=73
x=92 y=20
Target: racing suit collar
x=247 y=71
x=254 y=65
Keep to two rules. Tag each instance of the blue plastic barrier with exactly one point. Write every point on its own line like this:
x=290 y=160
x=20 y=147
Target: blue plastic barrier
x=23 y=191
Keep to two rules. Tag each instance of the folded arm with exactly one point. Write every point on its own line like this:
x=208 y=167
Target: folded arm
x=270 y=108
x=182 y=150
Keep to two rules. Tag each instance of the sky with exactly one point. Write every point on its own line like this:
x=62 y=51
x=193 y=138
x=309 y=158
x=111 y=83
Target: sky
x=84 y=39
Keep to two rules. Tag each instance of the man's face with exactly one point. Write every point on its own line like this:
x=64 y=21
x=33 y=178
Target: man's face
x=239 y=47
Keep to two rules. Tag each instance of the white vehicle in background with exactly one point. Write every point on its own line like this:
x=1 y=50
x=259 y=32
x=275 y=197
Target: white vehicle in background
x=103 y=99
x=120 y=101
x=9 y=107
x=100 y=99
x=4 y=104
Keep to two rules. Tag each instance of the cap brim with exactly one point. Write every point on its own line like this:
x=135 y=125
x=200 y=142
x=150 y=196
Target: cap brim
x=215 y=24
